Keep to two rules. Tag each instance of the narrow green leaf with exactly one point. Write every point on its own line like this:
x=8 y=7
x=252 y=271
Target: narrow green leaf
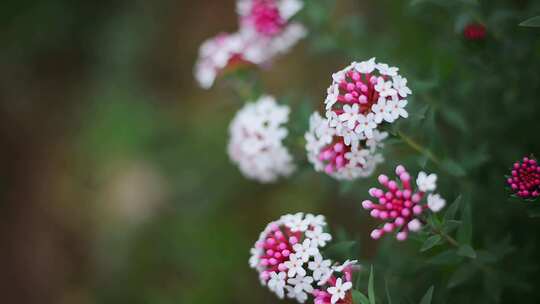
x=431 y=242
x=451 y=225
x=388 y=297
x=464 y=234
x=531 y=22
x=466 y=251
x=462 y=274
x=359 y=298
x=428 y=296
x=341 y=250
x=448 y=257
x=454 y=168
x=371 y=289
x=451 y=212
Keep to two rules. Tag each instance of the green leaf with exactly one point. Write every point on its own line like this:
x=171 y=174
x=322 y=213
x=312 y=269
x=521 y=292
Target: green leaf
x=388 y=297
x=531 y=22
x=431 y=242
x=428 y=296
x=371 y=289
x=462 y=274
x=464 y=234
x=466 y=251
x=452 y=210
x=448 y=257
x=359 y=298
x=451 y=225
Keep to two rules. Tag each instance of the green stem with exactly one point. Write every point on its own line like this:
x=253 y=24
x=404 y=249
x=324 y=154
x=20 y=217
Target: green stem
x=419 y=148
x=445 y=236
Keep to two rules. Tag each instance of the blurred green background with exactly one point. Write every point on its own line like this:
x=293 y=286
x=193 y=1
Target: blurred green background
x=116 y=186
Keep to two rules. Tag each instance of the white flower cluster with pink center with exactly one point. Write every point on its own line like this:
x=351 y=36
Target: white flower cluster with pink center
x=342 y=157
x=363 y=96
x=265 y=32
x=399 y=206
x=256 y=140
x=288 y=258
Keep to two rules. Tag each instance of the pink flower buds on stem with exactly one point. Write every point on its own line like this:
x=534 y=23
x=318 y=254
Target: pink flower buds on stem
x=399 y=205
x=524 y=179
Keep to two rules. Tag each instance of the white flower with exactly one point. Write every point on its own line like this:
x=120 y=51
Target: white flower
x=339 y=290
x=414 y=225
x=297 y=223
x=255 y=257
x=326 y=274
x=377 y=141
x=301 y=283
x=319 y=267
x=215 y=54
x=316 y=220
x=301 y=297
x=435 y=202
x=366 y=124
x=384 y=69
x=365 y=67
x=295 y=266
x=305 y=250
x=385 y=87
x=256 y=141
x=382 y=111
x=318 y=237
x=400 y=84
x=345 y=264
x=357 y=156
x=277 y=283
x=397 y=108
x=351 y=115
x=426 y=182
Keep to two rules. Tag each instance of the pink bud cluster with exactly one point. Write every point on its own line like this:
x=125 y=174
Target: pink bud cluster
x=358 y=88
x=276 y=248
x=266 y=18
x=399 y=205
x=525 y=178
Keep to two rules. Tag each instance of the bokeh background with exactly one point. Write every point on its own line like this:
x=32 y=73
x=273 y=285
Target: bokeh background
x=116 y=186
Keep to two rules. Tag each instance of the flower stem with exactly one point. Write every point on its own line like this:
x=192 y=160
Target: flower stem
x=419 y=148
x=445 y=236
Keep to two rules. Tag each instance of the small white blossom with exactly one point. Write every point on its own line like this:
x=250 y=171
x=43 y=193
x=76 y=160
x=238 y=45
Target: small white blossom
x=345 y=264
x=300 y=297
x=316 y=220
x=385 y=88
x=382 y=111
x=305 y=250
x=277 y=283
x=351 y=114
x=339 y=290
x=435 y=202
x=318 y=237
x=400 y=84
x=426 y=182
x=414 y=225
x=385 y=69
x=366 y=67
x=301 y=283
x=319 y=266
x=295 y=266
x=366 y=125
x=397 y=108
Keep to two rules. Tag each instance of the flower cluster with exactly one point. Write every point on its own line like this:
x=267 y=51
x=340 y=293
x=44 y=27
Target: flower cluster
x=265 y=32
x=287 y=255
x=525 y=178
x=399 y=206
x=256 y=140
x=337 y=155
x=337 y=285
x=364 y=95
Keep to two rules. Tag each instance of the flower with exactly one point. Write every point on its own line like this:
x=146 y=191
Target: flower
x=364 y=90
x=256 y=141
x=318 y=237
x=340 y=152
x=338 y=290
x=474 y=31
x=426 y=182
x=400 y=207
x=435 y=202
x=266 y=25
x=336 y=287
x=286 y=256
x=524 y=179
x=319 y=266
x=277 y=283
x=224 y=51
